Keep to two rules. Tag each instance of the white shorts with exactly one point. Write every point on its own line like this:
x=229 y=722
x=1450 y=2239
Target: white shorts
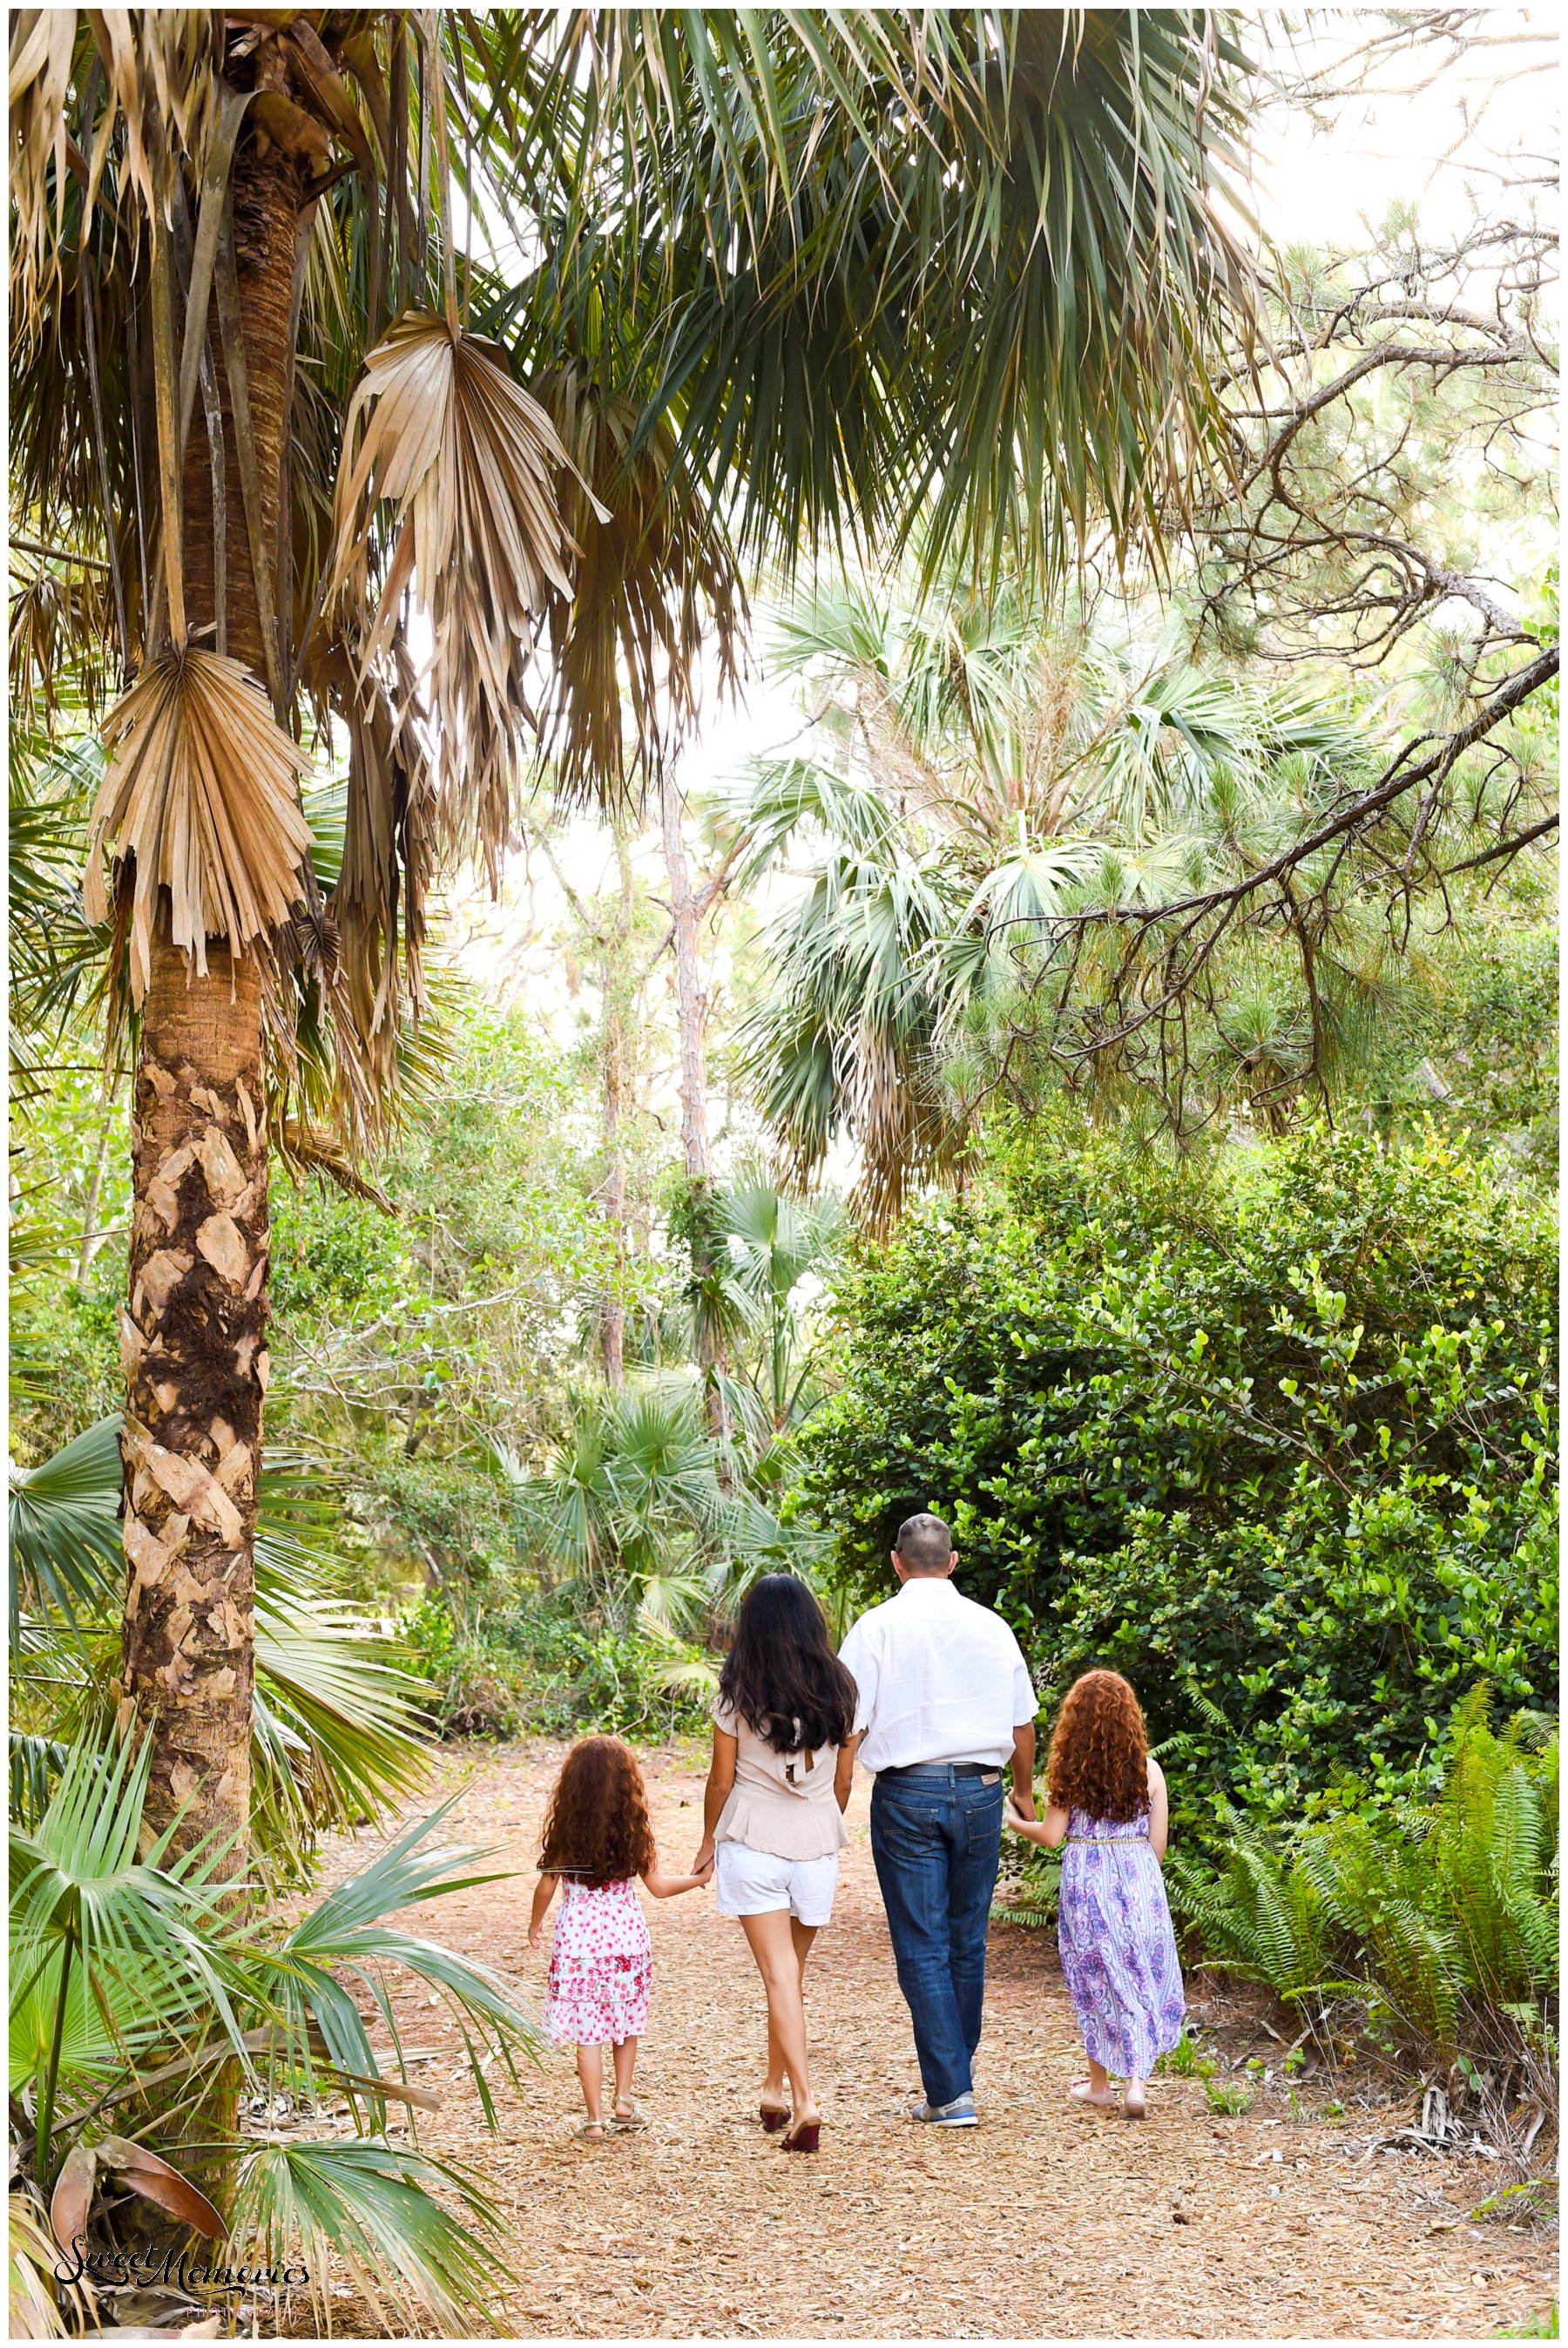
x=754 y=1883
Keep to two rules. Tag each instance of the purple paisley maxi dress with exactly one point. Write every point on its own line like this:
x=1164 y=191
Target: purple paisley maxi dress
x=1118 y=1950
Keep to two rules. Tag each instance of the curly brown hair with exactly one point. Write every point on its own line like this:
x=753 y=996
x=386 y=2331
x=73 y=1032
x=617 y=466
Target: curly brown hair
x=1099 y=1751
x=597 y=1829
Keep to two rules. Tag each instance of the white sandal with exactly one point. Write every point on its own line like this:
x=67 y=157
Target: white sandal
x=1082 y=2093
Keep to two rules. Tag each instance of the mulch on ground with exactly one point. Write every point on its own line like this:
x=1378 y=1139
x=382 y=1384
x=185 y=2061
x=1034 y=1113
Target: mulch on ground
x=1047 y=2220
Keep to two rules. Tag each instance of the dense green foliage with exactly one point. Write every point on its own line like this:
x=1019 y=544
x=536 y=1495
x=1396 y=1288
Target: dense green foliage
x=1440 y=1917
x=538 y=1668
x=1274 y=1437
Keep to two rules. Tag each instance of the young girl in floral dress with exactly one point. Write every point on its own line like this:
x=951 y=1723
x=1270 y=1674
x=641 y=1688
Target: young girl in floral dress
x=598 y=1842
x=1106 y=1801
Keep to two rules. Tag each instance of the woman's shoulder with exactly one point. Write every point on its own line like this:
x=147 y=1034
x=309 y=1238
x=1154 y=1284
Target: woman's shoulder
x=1156 y=1774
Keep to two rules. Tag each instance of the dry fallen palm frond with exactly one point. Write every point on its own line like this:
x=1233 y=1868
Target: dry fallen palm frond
x=202 y=788
x=465 y=460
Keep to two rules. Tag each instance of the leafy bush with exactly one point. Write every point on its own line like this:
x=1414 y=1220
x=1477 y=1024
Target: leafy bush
x=1274 y=1437
x=538 y=1669
x=1440 y=1917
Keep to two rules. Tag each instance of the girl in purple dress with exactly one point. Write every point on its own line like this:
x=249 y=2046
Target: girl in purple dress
x=1106 y=1801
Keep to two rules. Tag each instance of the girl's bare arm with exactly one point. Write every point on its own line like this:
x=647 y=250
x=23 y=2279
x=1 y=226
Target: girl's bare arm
x=1049 y=1831
x=544 y=1892
x=670 y=1887
x=1159 y=1811
x=720 y=1778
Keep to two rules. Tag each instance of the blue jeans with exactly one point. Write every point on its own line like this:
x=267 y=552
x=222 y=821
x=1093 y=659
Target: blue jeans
x=936 y=1841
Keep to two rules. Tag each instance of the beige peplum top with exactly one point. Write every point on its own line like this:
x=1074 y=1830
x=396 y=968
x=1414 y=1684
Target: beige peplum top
x=780 y=1802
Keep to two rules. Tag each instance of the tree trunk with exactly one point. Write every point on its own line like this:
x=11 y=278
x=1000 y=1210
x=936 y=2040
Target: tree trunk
x=194 y=1333
x=92 y=1238
x=617 y=974
x=196 y=1364
x=690 y=1004
x=691 y=1012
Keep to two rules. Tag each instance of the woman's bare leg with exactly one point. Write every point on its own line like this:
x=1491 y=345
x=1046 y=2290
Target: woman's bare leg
x=775 y=2096
x=771 y=1944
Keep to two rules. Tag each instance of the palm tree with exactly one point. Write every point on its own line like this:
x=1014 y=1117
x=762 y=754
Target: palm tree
x=979 y=763
x=946 y=282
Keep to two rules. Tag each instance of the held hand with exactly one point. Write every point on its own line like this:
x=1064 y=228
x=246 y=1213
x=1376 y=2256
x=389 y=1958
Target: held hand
x=703 y=1862
x=1015 y=1814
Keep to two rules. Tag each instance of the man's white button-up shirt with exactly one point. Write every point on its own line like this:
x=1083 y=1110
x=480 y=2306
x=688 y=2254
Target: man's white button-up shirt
x=939 y=1679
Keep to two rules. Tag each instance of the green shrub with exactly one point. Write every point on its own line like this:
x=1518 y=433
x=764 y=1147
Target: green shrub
x=1440 y=1917
x=1274 y=1437
x=536 y=1669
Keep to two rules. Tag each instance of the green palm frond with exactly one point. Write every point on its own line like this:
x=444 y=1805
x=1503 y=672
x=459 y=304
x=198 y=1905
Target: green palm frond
x=64 y=1529
x=348 y=1932
x=336 y=1730
x=382 y=2211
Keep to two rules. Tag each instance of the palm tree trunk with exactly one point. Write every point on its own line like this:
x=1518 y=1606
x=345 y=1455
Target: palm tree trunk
x=690 y=1004
x=692 y=1011
x=92 y=1238
x=194 y=1333
x=618 y=942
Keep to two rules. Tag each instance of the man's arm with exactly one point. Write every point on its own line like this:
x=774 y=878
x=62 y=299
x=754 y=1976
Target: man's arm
x=860 y=1662
x=1023 y=1768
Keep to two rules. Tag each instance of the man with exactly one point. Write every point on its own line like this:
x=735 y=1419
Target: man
x=945 y=1700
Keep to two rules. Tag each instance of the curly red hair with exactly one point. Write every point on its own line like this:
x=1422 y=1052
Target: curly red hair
x=1100 y=1752
x=597 y=1829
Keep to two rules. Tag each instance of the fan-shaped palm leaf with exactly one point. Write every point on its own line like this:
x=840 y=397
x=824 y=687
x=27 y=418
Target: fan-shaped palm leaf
x=335 y=1727
x=381 y=2210
x=201 y=796
x=465 y=460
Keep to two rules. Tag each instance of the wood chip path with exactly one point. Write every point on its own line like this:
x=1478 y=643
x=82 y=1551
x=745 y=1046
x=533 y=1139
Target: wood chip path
x=1047 y=2220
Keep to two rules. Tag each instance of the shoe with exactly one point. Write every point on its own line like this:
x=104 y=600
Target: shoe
x=804 y=2139
x=959 y=2113
x=772 y=2118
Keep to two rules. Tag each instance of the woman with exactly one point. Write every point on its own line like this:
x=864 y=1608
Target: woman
x=781 y=1773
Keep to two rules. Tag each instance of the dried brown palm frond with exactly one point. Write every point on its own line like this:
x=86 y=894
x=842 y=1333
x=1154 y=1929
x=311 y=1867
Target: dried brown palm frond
x=61 y=647
x=389 y=855
x=466 y=461
x=202 y=790
x=158 y=74
x=43 y=43
x=656 y=580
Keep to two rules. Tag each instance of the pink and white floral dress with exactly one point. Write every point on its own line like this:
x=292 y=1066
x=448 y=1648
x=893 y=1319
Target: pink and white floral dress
x=602 y=1966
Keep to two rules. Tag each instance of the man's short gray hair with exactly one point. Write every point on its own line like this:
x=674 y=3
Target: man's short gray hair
x=925 y=1544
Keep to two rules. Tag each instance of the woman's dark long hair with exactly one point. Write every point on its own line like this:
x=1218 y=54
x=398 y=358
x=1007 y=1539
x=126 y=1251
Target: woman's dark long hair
x=781 y=1675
